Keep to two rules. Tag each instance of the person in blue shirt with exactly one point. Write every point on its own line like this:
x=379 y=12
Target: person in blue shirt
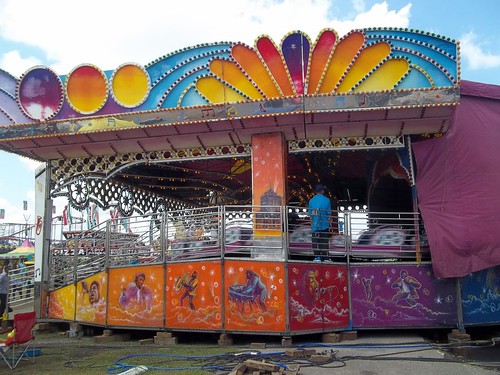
x=320 y=210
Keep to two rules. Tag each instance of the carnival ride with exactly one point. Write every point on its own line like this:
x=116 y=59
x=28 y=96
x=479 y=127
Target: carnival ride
x=207 y=158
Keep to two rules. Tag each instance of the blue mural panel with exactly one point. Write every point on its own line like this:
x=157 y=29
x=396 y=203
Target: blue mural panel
x=481 y=297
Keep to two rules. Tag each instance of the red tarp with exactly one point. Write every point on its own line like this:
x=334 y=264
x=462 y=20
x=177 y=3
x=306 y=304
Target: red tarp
x=458 y=185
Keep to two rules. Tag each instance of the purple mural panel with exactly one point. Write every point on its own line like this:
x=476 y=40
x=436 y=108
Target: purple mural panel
x=395 y=295
x=318 y=296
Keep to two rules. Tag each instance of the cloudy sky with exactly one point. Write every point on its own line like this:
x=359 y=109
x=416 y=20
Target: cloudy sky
x=62 y=34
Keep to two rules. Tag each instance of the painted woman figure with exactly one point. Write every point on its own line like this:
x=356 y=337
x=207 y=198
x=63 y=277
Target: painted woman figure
x=137 y=293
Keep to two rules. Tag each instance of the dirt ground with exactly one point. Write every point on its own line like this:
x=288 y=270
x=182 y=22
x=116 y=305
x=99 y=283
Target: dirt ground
x=371 y=353
x=63 y=355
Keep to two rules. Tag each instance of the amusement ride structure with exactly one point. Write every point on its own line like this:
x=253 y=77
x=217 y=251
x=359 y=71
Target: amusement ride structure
x=206 y=159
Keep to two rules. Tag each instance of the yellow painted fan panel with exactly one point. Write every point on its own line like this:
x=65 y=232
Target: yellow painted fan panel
x=344 y=53
x=252 y=65
x=216 y=92
x=367 y=60
x=385 y=77
x=229 y=72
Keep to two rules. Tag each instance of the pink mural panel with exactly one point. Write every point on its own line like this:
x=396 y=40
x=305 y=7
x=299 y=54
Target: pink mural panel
x=194 y=295
x=318 y=296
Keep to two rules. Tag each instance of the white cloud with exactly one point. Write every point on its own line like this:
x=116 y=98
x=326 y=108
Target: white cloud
x=476 y=58
x=110 y=33
x=30 y=163
x=378 y=15
x=14 y=212
x=16 y=65
x=358 y=5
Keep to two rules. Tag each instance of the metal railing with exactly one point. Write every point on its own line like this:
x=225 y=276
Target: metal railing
x=258 y=232
x=17 y=232
x=194 y=233
x=21 y=285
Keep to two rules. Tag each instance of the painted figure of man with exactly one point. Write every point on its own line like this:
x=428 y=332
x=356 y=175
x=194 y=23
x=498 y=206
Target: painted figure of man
x=407 y=286
x=92 y=291
x=189 y=290
x=256 y=288
x=137 y=293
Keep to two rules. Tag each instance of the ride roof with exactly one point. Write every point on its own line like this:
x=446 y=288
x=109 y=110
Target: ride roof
x=383 y=81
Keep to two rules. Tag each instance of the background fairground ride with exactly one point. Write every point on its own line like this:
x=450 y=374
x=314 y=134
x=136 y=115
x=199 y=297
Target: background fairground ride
x=206 y=159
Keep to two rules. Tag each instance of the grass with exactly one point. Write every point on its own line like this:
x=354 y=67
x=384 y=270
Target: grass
x=62 y=355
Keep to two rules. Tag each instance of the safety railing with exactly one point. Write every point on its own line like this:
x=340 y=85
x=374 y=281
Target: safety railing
x=21 y=285
x=384 y=235
x=193 y=233
x=361 y=234
x=134 y=240
x=16 y=232
x=257 y=232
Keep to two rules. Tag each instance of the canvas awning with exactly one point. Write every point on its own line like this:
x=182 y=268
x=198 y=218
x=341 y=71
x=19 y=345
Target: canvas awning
x=26 y=249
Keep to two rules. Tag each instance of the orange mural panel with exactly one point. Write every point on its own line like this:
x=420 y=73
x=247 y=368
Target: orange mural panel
x=255 y=296
x=194 y=295
x=62 y=303
x=91 y=296
x=268 y=181
x=135 y=296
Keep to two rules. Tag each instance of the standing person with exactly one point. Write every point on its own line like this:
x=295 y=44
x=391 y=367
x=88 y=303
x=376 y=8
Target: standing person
x=4 y=290
x=29 y=281
x=21 y=277
x=320 y=210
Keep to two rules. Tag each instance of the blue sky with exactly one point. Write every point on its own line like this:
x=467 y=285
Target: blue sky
x=63 y=34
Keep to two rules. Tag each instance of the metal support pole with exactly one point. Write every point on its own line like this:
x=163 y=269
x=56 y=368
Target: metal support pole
x=43 y=227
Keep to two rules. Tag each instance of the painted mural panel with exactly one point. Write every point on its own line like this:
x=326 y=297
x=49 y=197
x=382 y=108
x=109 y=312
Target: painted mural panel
x=394 y=295
x=62 y=303
x=91 y=296
x=318 y=296
x=194 y=295
x=268 y=174
x=135 y=296
x=481 y=297
x=255 y=296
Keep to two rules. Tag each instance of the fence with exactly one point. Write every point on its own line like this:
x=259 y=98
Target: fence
x=21 y=285
x=258 y=232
